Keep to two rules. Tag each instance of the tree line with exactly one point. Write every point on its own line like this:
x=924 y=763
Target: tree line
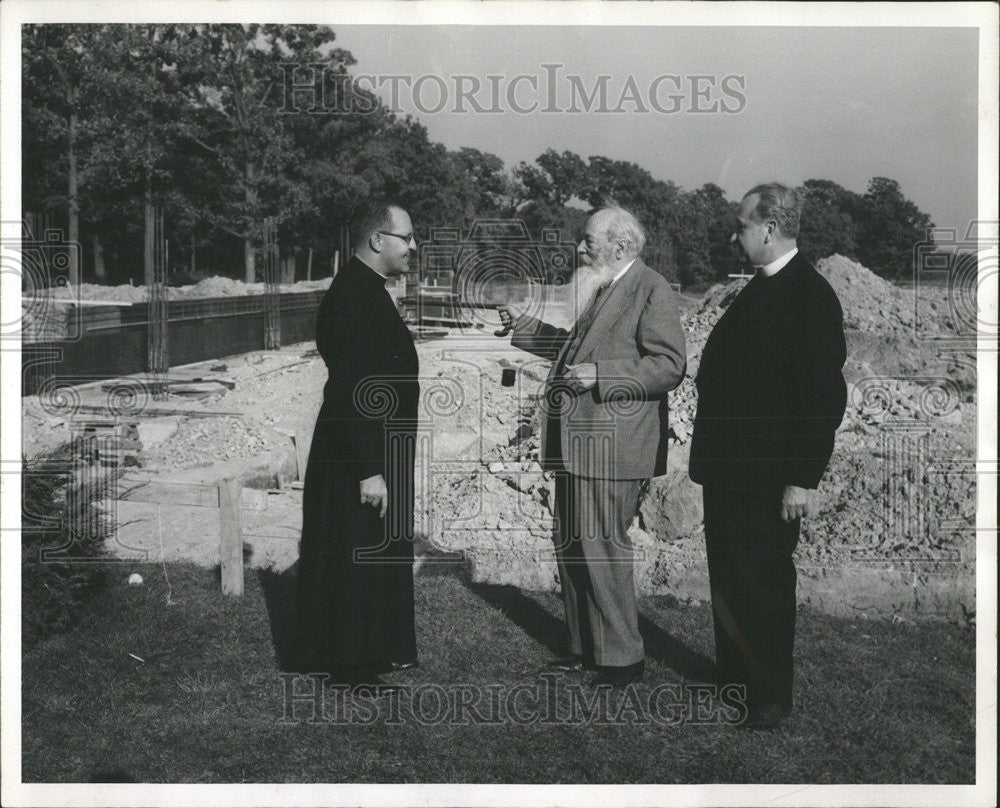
x=198 y=119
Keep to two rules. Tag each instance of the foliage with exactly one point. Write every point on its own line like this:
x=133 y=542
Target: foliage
x=828 y=220
x=890 y=226
x=198 y=118
x=63 y=529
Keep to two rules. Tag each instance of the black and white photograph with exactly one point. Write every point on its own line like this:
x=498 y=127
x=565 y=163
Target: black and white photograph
x=499 y=403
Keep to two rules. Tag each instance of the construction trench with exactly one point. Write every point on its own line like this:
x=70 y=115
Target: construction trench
x=894 y=535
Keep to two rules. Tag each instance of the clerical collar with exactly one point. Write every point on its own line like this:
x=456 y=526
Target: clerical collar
x=624 y=270
x=778 y=263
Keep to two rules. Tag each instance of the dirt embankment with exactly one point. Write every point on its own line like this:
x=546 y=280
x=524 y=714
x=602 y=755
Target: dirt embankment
x=215 y=286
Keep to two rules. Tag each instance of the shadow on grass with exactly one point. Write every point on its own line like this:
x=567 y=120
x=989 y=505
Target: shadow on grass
x=525 y=612
x=279 y=599
x=668 y=650
x=532 y=618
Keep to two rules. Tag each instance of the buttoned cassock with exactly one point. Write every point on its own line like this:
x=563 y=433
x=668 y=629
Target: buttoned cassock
x=355 y=604
x=603 y=443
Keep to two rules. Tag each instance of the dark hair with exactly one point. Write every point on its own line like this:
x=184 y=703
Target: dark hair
x=369 y=216
x=778 y=202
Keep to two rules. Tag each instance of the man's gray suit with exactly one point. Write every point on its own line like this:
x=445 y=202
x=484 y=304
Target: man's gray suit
x=603 y=443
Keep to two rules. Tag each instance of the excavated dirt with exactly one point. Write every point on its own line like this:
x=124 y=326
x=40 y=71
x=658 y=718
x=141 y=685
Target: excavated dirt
x=215 y=286
x=893 y=534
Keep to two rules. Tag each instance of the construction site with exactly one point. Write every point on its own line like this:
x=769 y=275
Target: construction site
x=180 y=390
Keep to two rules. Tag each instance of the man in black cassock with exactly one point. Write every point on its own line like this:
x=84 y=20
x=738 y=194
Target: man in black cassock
x=354 y=607
x=771 y=395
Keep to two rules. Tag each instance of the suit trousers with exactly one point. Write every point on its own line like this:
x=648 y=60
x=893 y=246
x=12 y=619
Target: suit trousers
x=752 y=577
x=594 y=558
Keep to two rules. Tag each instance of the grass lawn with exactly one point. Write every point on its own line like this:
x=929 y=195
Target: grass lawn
x=876 y=702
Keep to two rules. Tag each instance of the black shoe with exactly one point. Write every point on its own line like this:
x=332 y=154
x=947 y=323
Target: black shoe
x=619 y=675
x=574 y=663
x=768 y=716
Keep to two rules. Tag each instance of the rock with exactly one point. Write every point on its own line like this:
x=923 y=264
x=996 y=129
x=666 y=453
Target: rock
x=673 y=505
x=523 y=432
x=495 y=467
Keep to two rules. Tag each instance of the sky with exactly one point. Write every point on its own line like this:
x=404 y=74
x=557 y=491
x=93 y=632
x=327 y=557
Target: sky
x=752 y=104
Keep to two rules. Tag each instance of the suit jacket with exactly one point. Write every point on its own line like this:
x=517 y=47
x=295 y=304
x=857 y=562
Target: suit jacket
x=618 y=429
x=373 y=387
x=770 y=389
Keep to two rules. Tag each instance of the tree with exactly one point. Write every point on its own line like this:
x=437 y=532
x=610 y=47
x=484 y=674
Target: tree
x=827 y=225
x=889 y=228
x=480 y=183
x=140 y=95
x=58 y=72
x=701 y=227
x=565 y=175
x=512 y=194
x=233 y=76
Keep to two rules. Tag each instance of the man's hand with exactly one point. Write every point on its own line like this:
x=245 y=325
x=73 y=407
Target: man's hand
x=509 y=315
x=795 y=503
x=373 y=492
x=582 y=377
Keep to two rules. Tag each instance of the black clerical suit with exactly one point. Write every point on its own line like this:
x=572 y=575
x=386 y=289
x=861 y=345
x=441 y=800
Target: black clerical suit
x=770 y=398
x=355 y=578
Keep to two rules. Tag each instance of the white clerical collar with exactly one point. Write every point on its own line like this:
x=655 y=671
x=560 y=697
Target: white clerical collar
x=626 y=269
x=778 y=263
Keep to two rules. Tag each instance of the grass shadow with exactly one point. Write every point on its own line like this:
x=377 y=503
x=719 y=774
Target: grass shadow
x=279 y=598
x=525 y=612
x=550 y=631
x=668 y=650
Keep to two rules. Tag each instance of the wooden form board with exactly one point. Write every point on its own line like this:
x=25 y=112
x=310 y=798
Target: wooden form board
x=228 y=496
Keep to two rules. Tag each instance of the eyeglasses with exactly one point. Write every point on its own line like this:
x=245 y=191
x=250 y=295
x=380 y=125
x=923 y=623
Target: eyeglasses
x=407 y=238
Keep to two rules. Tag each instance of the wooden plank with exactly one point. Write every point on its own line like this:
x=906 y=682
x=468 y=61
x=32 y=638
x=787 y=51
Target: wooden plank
x=281 y=367
x=301 y=456
x=229 y=384
x=158 y=492
x=75 y=302
x=194 y=495
x=231 y=537
x=155 y=412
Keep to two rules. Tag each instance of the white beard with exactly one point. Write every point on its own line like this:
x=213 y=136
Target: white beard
x=583 y=287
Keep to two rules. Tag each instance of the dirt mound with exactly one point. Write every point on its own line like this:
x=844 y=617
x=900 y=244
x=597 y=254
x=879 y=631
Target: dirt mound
x=216 y=286
x=93 y=291
x=227 y=287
